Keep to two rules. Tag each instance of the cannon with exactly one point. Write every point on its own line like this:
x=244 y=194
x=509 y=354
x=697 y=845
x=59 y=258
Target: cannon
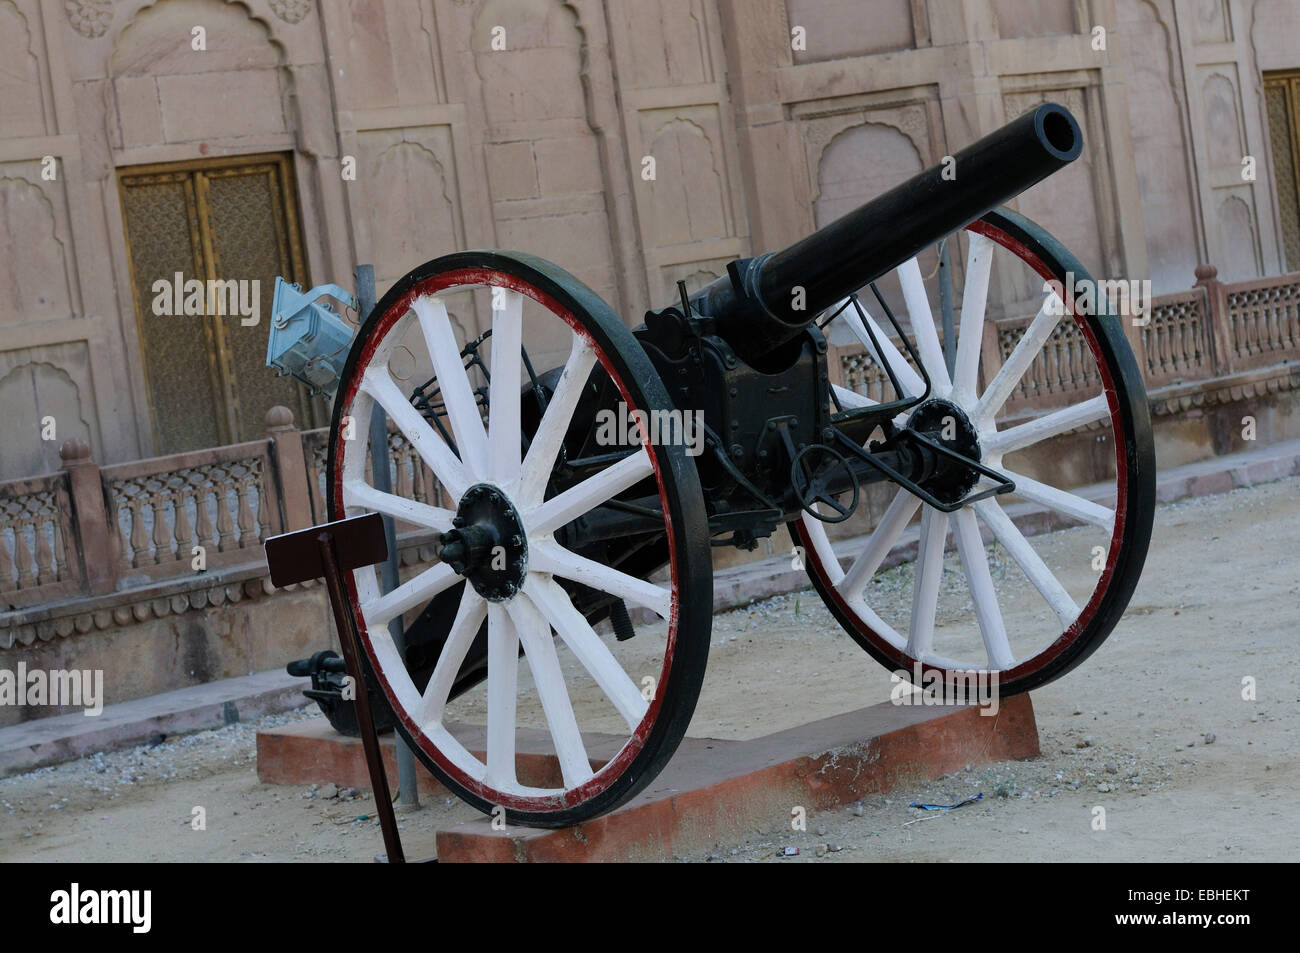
x=572 y=474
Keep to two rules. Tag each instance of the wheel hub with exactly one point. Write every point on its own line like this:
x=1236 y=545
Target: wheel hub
x=946 y=423
x=487 y=544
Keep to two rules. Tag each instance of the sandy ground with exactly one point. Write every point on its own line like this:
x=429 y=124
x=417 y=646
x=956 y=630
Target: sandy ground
x=1153 y=729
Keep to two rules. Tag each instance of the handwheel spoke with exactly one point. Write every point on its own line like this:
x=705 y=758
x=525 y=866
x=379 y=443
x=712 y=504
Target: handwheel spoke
x=503 y=391
x=588 y=648
x=887 y=356
x=922 y=321
x=539 y=650
x=545 y=446
x=414 y=592
x=590 y=493
x=553 y=558
x=359 y=493
x=970 y=549
x=1030 y=563
x=1063 y=502
x=457 y=396
x=970 y=338
x=469 y=617
x=502 y=696
x=881 y=541
x=1018 y=361
x=433 y=450
x=1048 y=425
x=925 y=584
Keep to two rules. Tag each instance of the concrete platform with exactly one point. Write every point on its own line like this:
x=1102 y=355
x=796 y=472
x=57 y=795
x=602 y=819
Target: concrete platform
x=712 y=789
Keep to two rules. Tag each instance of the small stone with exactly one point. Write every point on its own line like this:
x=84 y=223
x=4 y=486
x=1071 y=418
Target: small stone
x=834 y=848
x=1209 y=737
x=856 y=809
x=820 y=850
x=968 y=768
x=1074 y=785
x=821 y=832
x=1103 y=787
x=1112 y=767
x=1023 y=830
x=330 y=790
x=735 y=852
x=349 y=794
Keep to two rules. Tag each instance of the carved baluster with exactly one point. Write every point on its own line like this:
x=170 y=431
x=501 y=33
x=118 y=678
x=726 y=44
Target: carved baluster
x=245 y=512
x=7 y=583
x=202 y=519
x=44 y=554
x=184 y=533
x=60 y=550
x=139 y=539
x=225 y=523
x=162 y=533
x=420 y=484
x=23 y=556
x=119 y=533
x=263 y=514
x=1274 y=327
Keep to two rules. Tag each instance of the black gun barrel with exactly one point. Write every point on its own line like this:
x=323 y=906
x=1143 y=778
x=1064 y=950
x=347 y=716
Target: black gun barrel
x=763 y=302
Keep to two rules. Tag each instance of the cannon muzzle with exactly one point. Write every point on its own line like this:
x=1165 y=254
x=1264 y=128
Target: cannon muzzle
x=756 y=306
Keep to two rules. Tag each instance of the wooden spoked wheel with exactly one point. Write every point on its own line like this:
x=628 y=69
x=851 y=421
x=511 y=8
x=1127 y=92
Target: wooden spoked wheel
x=1028 y=607
x=568 y=723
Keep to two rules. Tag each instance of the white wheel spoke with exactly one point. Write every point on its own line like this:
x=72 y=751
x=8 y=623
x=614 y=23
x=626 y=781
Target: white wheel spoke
x=1019 y=360
x=821 y=545
x=970 y=549
x=469 y=616
x=1063 y=502
x=925 y=583
x=851 y=399
x=502 y=696
x=979 y=264
x=922 y=321
x=504 y=390
x=1030 y=563
x=453 y=383
x=555 y=422
x=880 y=543
x=432 y=449
x=553 y=558
x=588 y=648
x=359 y=493
x=888 y=356
x=414 y=592
x=539 y=650
x=1047 y=425
x=590 y=493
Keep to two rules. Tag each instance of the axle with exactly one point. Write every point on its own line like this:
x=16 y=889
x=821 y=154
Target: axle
x=757 y=307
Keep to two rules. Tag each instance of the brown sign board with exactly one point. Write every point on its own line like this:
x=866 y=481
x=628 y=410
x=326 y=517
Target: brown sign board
x=296 y=557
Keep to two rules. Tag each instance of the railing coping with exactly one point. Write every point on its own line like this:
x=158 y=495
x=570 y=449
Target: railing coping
x=227 y=453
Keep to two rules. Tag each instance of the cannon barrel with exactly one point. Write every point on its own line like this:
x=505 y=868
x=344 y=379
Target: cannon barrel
x=755 y=306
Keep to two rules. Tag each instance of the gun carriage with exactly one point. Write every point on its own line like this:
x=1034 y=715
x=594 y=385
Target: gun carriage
x=545 y=530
